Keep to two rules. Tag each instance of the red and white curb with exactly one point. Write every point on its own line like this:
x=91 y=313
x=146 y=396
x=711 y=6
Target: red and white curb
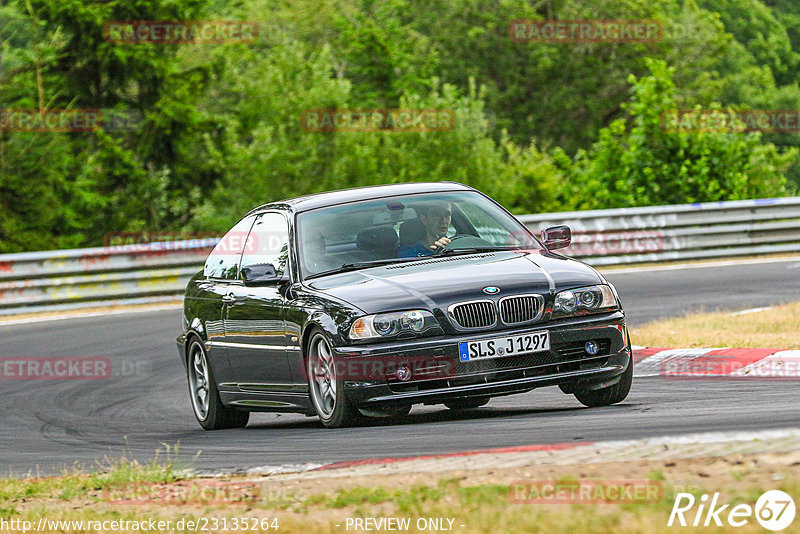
x=701 y=445
x=717 y=362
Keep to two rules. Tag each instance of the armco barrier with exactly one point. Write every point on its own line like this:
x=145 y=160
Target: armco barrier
x=33 y=281
x=679 y=232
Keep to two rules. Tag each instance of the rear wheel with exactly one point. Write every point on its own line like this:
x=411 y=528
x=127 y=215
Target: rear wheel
x=206 y=404
x=465 y=404
x=610 y=395
x=326 y=386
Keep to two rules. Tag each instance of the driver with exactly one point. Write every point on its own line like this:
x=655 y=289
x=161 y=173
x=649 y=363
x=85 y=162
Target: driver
x=435 y=219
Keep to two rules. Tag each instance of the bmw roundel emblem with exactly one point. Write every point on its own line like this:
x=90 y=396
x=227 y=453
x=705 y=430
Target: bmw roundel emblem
x=404 y=373
x=491 y=290
x=591 y=348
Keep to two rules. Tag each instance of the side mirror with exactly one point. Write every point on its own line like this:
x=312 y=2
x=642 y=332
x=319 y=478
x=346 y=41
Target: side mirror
x=557 y=237
x=261 y=274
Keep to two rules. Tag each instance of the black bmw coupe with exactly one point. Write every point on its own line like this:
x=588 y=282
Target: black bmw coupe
x=361 y=303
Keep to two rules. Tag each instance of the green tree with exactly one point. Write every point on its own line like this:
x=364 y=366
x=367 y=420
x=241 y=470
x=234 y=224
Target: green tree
x=270 y=156
x=640 y=162
x=754 y=25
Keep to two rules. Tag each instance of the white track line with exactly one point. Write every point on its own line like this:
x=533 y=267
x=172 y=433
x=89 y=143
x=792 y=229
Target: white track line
x=699 y=265
x=94 y=313
x=654 y=365
x=751 y=310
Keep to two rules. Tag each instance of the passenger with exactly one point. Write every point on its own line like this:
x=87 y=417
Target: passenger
x=433 y=218
x=315 y=255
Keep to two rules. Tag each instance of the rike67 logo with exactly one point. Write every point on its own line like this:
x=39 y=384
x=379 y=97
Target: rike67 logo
x=774 y=510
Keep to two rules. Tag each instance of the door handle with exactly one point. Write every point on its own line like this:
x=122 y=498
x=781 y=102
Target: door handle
x=230 y=298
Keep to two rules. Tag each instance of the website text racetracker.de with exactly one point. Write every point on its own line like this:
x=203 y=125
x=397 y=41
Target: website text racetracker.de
x=55 y=368
x=69 y=120
x=200 y=524
x=180 y=32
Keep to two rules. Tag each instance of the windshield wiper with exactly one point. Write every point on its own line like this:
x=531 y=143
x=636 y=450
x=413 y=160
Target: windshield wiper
x=472 y=250
x=385 y=261
x=363 y=265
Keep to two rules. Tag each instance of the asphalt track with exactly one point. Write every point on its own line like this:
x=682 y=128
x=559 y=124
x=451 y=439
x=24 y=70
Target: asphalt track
x=46 y=426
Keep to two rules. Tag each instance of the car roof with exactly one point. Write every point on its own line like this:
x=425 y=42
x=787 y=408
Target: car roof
x=342 y=196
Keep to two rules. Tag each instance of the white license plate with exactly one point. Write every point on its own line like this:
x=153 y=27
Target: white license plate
x=500 y=347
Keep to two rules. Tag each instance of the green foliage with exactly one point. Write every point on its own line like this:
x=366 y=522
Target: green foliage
x=646 y=164
x=275 y=158
x=540 y=127
x=788 y=14
x=69 y=189
x=755 y=26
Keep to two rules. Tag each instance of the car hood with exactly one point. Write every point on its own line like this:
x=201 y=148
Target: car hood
x=438 y=282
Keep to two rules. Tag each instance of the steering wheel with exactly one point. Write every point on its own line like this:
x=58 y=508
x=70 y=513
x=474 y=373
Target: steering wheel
x=463 y=241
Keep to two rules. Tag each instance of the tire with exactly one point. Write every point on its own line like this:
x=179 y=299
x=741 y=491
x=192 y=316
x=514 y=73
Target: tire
x=206 y=404
x=610 y=395
x=326 y=387
x=393 y=412
x=466 y=404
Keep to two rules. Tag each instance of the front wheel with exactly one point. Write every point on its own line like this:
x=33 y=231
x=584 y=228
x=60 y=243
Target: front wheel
x=206 y=404
x=610 y=395
x=388 y=412
x=326 y=386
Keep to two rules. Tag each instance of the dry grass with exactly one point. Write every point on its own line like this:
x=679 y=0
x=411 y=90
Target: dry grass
x=477 y=501
x=774 y=328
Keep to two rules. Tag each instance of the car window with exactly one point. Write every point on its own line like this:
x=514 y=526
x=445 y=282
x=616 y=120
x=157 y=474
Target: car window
x=490 y=228
x=223 y=262
x=395 y=227
x=268 y=242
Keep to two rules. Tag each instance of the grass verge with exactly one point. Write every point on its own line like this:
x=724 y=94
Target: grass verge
x=772 y=328
x=465 y=501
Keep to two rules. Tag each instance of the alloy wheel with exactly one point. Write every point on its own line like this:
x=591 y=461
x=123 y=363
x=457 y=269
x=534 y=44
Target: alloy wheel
x=199 y=379
x=322 y=370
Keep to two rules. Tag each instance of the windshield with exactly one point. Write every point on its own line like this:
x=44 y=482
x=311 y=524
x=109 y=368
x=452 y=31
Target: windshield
x=404 y=228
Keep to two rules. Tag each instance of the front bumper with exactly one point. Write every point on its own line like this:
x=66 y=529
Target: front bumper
x=435 y=374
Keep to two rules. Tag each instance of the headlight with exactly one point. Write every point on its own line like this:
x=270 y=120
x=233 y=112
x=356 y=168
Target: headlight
x=392 y=324
x=585 y=299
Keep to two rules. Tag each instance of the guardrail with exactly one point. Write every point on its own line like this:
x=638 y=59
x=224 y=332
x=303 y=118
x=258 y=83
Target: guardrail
x=679 y=232
x=37 y=281
x=34 y=281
